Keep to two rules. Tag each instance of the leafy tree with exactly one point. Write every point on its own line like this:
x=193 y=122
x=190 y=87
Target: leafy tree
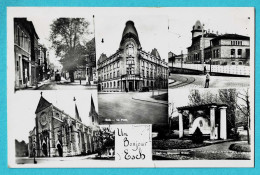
x=66 y=36
x=106 y=138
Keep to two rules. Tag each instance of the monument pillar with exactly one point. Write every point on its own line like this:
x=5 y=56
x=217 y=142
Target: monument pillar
x=223 y=122
x=181 y=131
x=212 y=123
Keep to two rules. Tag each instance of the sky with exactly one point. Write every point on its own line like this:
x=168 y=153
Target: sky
x=223 y=20
x=151 y=29
x=22 y=106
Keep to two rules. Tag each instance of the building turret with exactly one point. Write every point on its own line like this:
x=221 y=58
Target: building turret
x=197 y=29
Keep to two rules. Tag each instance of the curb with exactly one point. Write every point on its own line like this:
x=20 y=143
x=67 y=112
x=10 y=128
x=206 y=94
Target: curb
x=164 y=103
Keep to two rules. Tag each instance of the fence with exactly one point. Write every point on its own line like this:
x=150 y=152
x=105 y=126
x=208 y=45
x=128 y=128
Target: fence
x=226 y=69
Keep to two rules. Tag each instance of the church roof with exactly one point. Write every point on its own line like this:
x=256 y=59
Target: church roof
x=43 y=103
x=155 y=53
x=77 y=113
x=92 y=108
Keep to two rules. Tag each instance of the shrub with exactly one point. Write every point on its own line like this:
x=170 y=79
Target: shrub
x=240 y=147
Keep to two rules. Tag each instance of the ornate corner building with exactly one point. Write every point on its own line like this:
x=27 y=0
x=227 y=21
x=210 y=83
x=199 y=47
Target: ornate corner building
x=131 y=68
x=58 y=134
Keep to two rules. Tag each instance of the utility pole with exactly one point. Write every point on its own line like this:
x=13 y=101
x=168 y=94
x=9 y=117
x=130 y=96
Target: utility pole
x=203 y=45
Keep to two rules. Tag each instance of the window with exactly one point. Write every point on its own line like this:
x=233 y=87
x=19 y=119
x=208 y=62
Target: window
x=114 y=84
x=117 y=83
x=239 y=53
x=110 y=84
x=107 y=84
x=118 y=73
x=218 y=54
x=114 y=74
x=17 y=65
x=111 y=75
x=232 y=53
x=240 y=63
x=118 y=64
x=130 y=61
x=233 y=63
x=143 y=72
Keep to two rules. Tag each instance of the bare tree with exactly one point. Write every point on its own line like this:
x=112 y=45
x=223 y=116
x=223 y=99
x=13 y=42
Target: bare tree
x=244 y=108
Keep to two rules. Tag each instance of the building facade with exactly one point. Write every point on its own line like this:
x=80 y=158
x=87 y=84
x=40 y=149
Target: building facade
x=58 y=134
x=131 y=68
x=226 y=49
x=25 y=53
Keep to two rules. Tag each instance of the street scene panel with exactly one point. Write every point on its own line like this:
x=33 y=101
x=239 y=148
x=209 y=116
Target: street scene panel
x=209 y=51
x=132 y=70
x=207 y=124
x=62 y=58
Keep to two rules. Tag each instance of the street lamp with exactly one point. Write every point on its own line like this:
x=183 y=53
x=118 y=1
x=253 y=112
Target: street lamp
x=210 y=66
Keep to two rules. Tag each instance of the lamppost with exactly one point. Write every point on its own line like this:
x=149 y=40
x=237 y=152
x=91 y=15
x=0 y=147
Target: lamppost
x=210 y=65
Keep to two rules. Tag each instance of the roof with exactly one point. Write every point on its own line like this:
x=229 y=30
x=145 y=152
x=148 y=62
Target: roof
x=129 y=32
x=201 y=106
x=232 y=36
x=197 y=25
x=207 y=35
x=155 y=53
x=102 y=58
x=43 y=103
x=130 y=28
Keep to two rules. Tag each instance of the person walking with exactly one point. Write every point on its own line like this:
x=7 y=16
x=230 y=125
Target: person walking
x=207 y=80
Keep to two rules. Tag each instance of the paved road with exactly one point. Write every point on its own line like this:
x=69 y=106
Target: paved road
x=121 y=108
x=218 y=151
x=198 y=81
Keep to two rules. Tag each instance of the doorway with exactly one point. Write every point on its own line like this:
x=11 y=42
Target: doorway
x=59 y=150
x=44 y=149
x=131 y=88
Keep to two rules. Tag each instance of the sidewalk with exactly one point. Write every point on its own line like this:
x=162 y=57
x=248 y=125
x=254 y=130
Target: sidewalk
x=76 y=82
x=147 y=96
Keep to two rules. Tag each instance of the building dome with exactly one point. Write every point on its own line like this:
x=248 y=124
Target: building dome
x=197 y=25
x=130 y=28
x=130 y=32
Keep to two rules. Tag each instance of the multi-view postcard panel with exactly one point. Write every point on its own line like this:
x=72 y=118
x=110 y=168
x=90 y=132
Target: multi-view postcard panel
x=109 y=87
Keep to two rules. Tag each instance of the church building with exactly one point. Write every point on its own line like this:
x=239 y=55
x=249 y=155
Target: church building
x=57 y=134
x=131 y=68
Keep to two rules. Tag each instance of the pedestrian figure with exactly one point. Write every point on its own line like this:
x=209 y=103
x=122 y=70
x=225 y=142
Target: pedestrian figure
x=207 y=80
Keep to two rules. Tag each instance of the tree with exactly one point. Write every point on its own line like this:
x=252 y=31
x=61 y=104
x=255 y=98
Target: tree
x=195 y=97
x=229 y=97
x=244 y=108
x=106 y=138
x=66 y=36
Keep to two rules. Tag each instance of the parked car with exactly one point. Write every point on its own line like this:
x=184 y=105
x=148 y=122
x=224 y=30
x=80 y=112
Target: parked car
x=144 y=89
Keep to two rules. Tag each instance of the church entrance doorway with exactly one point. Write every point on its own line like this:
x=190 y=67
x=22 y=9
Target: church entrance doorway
x=44 y=149
x=59 y=150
